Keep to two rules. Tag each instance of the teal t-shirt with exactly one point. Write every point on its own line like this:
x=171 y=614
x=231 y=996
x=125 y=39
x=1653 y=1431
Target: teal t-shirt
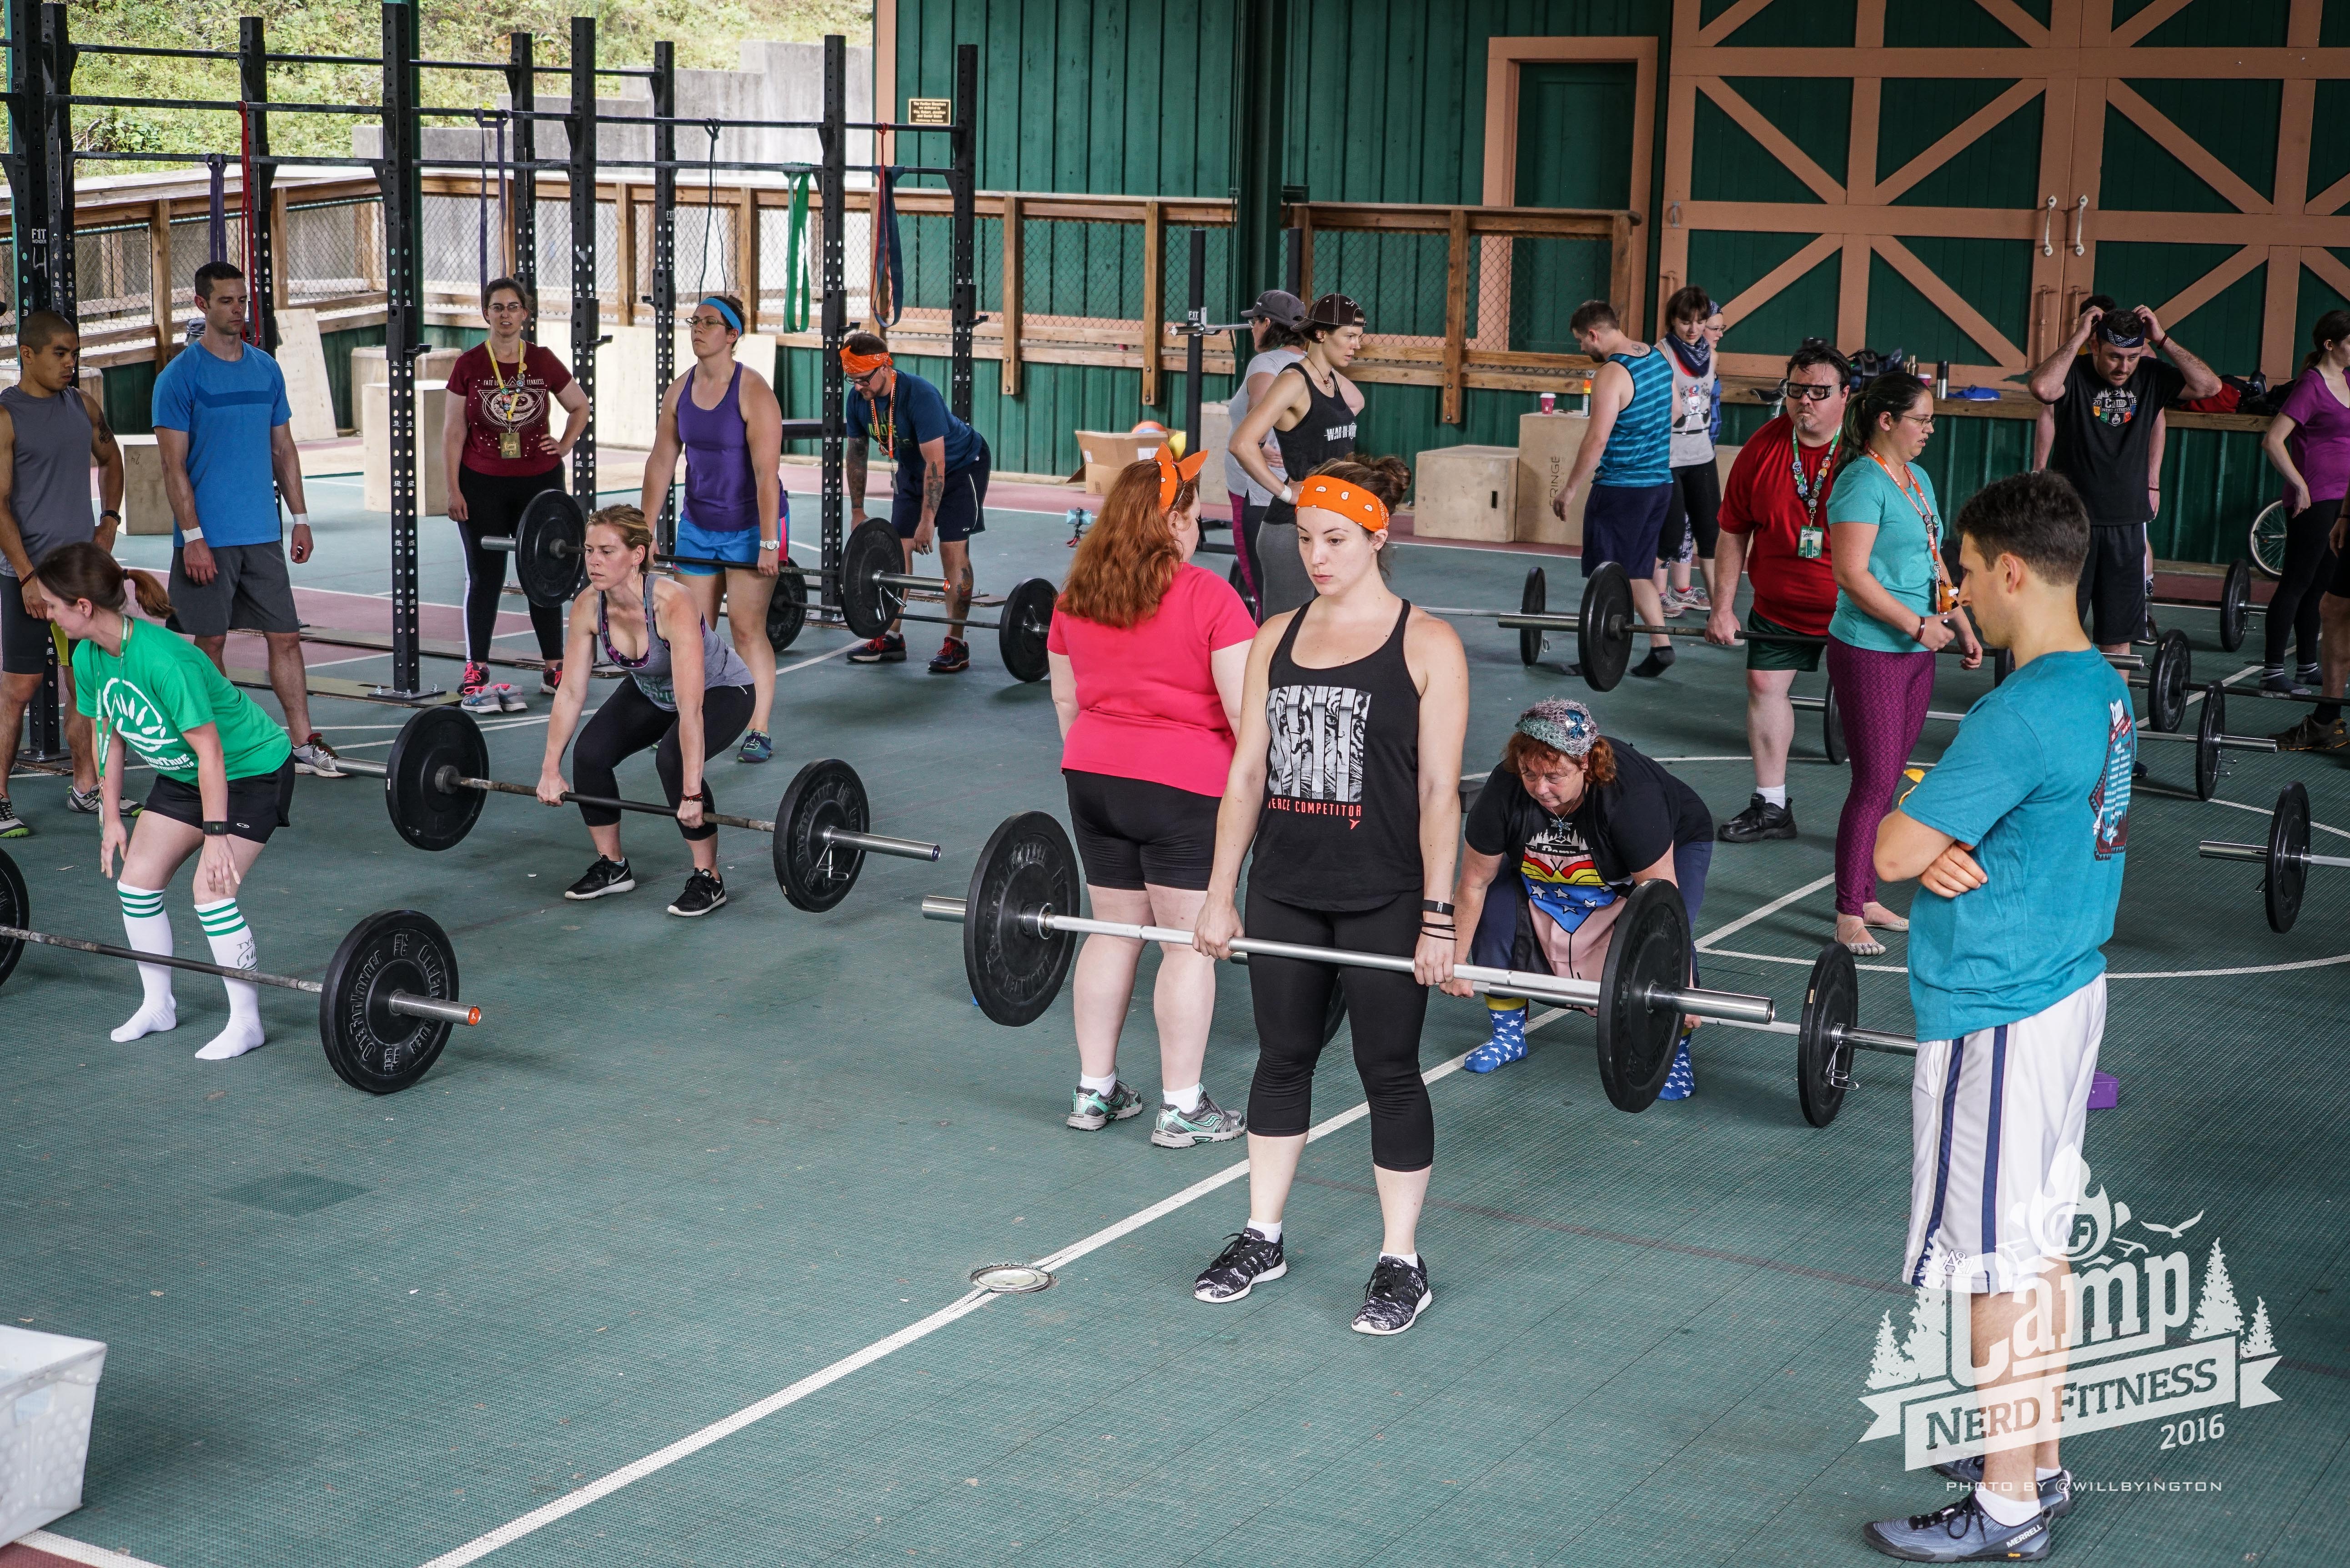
x=2038 y=780
x=1902 y=558
x=159 y=688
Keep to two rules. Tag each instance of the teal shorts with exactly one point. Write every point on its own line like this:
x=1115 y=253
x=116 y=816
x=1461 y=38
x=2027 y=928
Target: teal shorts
x=1800 y=656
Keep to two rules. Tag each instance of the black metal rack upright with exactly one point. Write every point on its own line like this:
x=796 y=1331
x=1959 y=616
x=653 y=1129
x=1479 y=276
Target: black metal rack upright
x=664 y=268
x=962 y=246
x=587 y=309
x=832 y=183
x=522 y=218
x=401 y=179
x=260 y=239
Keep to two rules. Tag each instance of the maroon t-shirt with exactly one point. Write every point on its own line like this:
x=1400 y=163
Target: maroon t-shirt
x=520 y=405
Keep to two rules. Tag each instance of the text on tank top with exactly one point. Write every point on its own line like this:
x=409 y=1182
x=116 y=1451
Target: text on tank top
x=720 y=495
x=50 y=495
x=652 y=671
x=1340 y=825
x=1326 y=433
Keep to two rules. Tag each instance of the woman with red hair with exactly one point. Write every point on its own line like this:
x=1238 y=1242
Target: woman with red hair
x=1148 y=655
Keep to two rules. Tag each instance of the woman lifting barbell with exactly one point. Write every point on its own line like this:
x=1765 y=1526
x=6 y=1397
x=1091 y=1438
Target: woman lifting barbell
x=687 y=696
x=223 y=778
x=1346 y=777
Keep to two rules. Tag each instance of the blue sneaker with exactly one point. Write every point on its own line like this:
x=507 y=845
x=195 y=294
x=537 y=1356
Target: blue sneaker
x=1680 y=1083
x=758 y=746
x=2055 y=1492
x=1508 y=1043
x=1961 y=1532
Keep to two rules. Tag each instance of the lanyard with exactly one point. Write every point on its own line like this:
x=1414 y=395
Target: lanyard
x=1810 y=492
x=889 y=431
x=1907 y=487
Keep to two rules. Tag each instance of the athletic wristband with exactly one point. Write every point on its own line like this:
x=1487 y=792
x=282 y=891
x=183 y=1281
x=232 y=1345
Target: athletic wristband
x=301 y=519
x=215 y=830
x=192 y=536
x=1434 y=907
x=110 y=512
x=1289 y=495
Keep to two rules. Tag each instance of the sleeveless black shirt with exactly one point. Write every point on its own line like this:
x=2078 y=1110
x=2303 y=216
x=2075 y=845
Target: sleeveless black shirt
x=1327 y=432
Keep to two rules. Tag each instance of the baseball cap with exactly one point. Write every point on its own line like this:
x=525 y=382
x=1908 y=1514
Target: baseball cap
x=1335 y=310
x=1279 y=307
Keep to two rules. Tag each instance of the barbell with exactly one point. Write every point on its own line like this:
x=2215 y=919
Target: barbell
x=434 y=789
x=2285 y=860
x=385 y=1008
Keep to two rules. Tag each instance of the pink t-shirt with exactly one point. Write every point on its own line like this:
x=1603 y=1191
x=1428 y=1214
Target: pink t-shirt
x=1146 y=701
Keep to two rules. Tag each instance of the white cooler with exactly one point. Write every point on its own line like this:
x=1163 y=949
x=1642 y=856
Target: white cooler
x=48 y=1388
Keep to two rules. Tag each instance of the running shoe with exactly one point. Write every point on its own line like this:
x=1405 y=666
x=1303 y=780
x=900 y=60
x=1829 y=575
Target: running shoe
x=470 y=686
x=952 y=657
x=11 y=825
x=550 y=678
x=510 y=699
x=1695 y=597
x=602 y=878
x=1394 y=1298
x=888 y=649
x=758 y=746
x=1206 y=1122
x=482 y=699
x=1671 y=602
x=2055 y=1492
x=1247 y=1260
x=1760 y=820
x=1961 y=1532
x=317 y=758
x=2310 y=736
x=1681 y=1082
x=703 y=892
x=84 y=802
x=1091 y=1110
x=1507 y=1044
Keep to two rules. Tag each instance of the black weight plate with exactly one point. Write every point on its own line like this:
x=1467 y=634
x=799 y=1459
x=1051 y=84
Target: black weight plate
x=550 y=540
x=370 y=1046
x=1831 y=1002
x=2287 y=863
x=2208 y=731
x=1015 y=970
x=16 y=909
x=1648 y=950
x=2166 y=678
x=2235 y=602
x=2002 y=665
x=1021 y=626
x=1535 y=600
x=815 y=875
x=866 y=605
x=1603 y=635
x=427 y=816
x=787 y=609
x=1832 y=727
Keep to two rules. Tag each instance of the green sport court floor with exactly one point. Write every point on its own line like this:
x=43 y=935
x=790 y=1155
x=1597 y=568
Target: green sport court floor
x=665 y=1262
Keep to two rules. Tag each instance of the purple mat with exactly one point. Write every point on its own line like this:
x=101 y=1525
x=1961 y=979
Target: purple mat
x=2104 y=1092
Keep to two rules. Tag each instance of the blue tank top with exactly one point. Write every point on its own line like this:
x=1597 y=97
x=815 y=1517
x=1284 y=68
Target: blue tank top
x=1640 y=449
x=721 y=665
x=721 y=495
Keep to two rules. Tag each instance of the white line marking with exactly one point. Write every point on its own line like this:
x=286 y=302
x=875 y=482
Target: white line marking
x=961 y=1307
x=820 y=658
x=79 y=1552
x=1705 y=944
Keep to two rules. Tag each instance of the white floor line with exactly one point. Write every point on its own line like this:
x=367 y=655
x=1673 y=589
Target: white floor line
x=819 y=659
x=1705 y=944
x=961 y=1307
x=78 y=1552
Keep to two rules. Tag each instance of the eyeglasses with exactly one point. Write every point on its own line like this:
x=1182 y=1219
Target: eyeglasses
x=1923 y=422
x=1806 y=392
x=707 y=321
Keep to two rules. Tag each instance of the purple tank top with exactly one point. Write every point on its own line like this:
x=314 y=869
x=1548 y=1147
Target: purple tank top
x=721 y=497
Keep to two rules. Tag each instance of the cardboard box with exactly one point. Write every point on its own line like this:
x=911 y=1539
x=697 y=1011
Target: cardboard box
x=1465 y=493
x=1105 y=453
x=146 y=509
x=1547 y=445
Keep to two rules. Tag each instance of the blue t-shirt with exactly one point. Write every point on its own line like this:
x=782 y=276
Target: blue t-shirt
x=1901 y=559
x=910 y=414
x=2038 y=780
x=227 y=407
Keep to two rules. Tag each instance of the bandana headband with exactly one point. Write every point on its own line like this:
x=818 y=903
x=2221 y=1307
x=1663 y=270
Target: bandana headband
x=863 y=364
x=1174 y=472
x=1565 y=726
x=1352 y=501
x=725 y=312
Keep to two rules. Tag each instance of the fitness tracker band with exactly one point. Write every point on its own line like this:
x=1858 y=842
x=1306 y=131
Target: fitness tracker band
x=215 y=830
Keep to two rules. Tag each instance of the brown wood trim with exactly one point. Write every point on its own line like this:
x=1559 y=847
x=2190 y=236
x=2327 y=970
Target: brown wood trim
x=2020 y=22
x=1015 y=252
x=158 y=279
x=1730 y=21
x=1763 y=288
x=746 y=258
x=1949 y=301
x=1456 y=311
x=1964 y=135
x=2275 y=63
x=1154 y=291
x=2187 y=149
x=2328 y=265
x=2155 y=14
x=1802 y=218
x=1775 y=142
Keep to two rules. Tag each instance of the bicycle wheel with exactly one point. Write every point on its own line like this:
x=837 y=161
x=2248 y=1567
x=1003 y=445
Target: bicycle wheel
x=2268 y=541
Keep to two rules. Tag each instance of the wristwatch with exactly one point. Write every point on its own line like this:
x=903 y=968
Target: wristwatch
x=215 y=830
x=110 y=512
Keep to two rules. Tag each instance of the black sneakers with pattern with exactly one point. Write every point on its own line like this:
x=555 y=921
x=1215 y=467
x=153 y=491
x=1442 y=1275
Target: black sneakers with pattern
x=1247 y=1259
x=601 y=880
x=1394 y=1298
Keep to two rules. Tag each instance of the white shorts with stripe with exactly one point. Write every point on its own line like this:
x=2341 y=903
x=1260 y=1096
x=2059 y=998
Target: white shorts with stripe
x=1996 y=1123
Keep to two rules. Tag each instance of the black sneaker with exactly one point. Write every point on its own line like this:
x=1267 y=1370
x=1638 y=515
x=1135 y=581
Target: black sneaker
x=703 y=892
x=603 y=878
x=1660 y=660
x=1759 y=821
x=952 y=657
x=889 y=649
x=1244 y=1261
x=1394 y=1298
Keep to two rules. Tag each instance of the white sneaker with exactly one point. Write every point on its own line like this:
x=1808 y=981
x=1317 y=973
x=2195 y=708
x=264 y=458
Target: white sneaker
x=317 y=758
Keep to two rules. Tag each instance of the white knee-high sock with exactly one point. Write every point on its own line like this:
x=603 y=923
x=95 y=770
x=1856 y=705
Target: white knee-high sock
x=232 y=942
x=150 y=930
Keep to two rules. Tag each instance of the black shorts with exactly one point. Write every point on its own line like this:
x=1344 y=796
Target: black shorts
x=2113 y=584
x=963 y=508
x=24 y=639
x=1131 y=832
x=1695 y=508
x=257 y=805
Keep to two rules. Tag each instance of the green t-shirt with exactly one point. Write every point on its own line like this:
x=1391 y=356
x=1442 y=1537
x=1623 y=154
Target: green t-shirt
x=161 y=687
x=1901 y=558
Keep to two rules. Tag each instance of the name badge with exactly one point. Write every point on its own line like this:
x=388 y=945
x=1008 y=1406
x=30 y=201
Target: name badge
x=510 y=443
x=1811 y=541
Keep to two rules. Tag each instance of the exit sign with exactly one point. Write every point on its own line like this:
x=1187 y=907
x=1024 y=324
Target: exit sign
x=930 y=111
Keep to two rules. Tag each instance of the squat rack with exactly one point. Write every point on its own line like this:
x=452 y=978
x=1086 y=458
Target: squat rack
x=41 y=158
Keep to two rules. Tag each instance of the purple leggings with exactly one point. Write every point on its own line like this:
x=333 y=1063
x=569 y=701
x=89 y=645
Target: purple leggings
x=1883 y=696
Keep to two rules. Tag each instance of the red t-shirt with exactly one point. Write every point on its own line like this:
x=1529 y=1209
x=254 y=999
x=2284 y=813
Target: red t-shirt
x=521 y=405
x=1146 y=701
x=1760 y=500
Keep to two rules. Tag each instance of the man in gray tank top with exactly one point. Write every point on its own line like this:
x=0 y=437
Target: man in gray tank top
x=50 y=432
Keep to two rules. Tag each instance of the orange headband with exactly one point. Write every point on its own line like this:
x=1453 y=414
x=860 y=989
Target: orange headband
x=1174 y=472
x=1351 y=502
x=863 y=364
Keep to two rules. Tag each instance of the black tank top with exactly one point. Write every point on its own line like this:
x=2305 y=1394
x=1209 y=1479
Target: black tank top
x=1327 y=432
x=1340 y=827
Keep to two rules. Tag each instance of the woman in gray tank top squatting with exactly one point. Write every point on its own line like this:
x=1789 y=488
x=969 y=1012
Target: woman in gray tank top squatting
x=1311 y=412
x=687 y=696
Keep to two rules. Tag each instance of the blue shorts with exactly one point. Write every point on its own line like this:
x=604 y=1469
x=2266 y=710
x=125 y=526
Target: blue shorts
x=735 y=546
x=1621 y=524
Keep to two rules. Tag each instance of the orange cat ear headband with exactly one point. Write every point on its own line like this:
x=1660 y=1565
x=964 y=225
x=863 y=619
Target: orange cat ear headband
x=1174 y=472
x=1352 y=501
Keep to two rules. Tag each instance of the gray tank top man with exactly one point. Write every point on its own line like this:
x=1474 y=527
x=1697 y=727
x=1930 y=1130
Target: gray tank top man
x=50 y=496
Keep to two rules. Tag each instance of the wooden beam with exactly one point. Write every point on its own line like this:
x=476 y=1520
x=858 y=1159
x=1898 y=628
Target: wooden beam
x=747 y=257
x=1305 y=254
x=1154 y=298
x=281 y=261
x=2286 y=64
x=1775 y=142
x=2155 y=14
x=624 y=262
x=2230 y=185
x=1013 y=311
x=1730 y=21
x=159 y=279
x=1852 y=291
x=1964 y=135
x=2328 y=266
x=2204 y=289
x=1623 y=268
x=1948 y=300
x=2018 y=21
x=1456 y=311
x=1761 y=289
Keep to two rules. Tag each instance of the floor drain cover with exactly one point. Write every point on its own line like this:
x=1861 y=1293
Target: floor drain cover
x=1011 y=1279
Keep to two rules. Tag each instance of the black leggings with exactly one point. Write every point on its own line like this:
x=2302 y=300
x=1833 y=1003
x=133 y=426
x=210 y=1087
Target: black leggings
x=1384 y=1009
x=2308 y=568
x=628 y=722
x=1695 y=506
x=494 y=503
x=1246 y=515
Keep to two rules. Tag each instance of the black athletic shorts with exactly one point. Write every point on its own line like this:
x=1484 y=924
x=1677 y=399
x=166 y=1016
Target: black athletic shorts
x=962 y=505
x=1131 y=831
x=2113 y=584
x=25 y=638
x=257 y=805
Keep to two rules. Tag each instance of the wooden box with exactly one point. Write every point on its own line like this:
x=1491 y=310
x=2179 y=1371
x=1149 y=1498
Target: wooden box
x=1547 y=445
x=1464 y=492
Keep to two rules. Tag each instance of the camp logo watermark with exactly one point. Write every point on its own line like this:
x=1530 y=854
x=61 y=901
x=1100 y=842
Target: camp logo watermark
x=2136 y=1331
x=127 y=710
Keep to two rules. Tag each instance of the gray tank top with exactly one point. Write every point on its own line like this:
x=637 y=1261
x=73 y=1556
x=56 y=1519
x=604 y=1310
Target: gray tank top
x=51 y=494
x=721 y=665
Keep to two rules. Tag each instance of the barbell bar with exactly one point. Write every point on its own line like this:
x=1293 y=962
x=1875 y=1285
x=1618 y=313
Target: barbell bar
x=2285 y=860
x=435 y=783
x=385 y=1008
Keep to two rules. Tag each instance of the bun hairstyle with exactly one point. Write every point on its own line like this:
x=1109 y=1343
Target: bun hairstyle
x=1126 y=561
x=1388 y=478
x=1887 y=395
x=628 y=523
x=83 y=571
